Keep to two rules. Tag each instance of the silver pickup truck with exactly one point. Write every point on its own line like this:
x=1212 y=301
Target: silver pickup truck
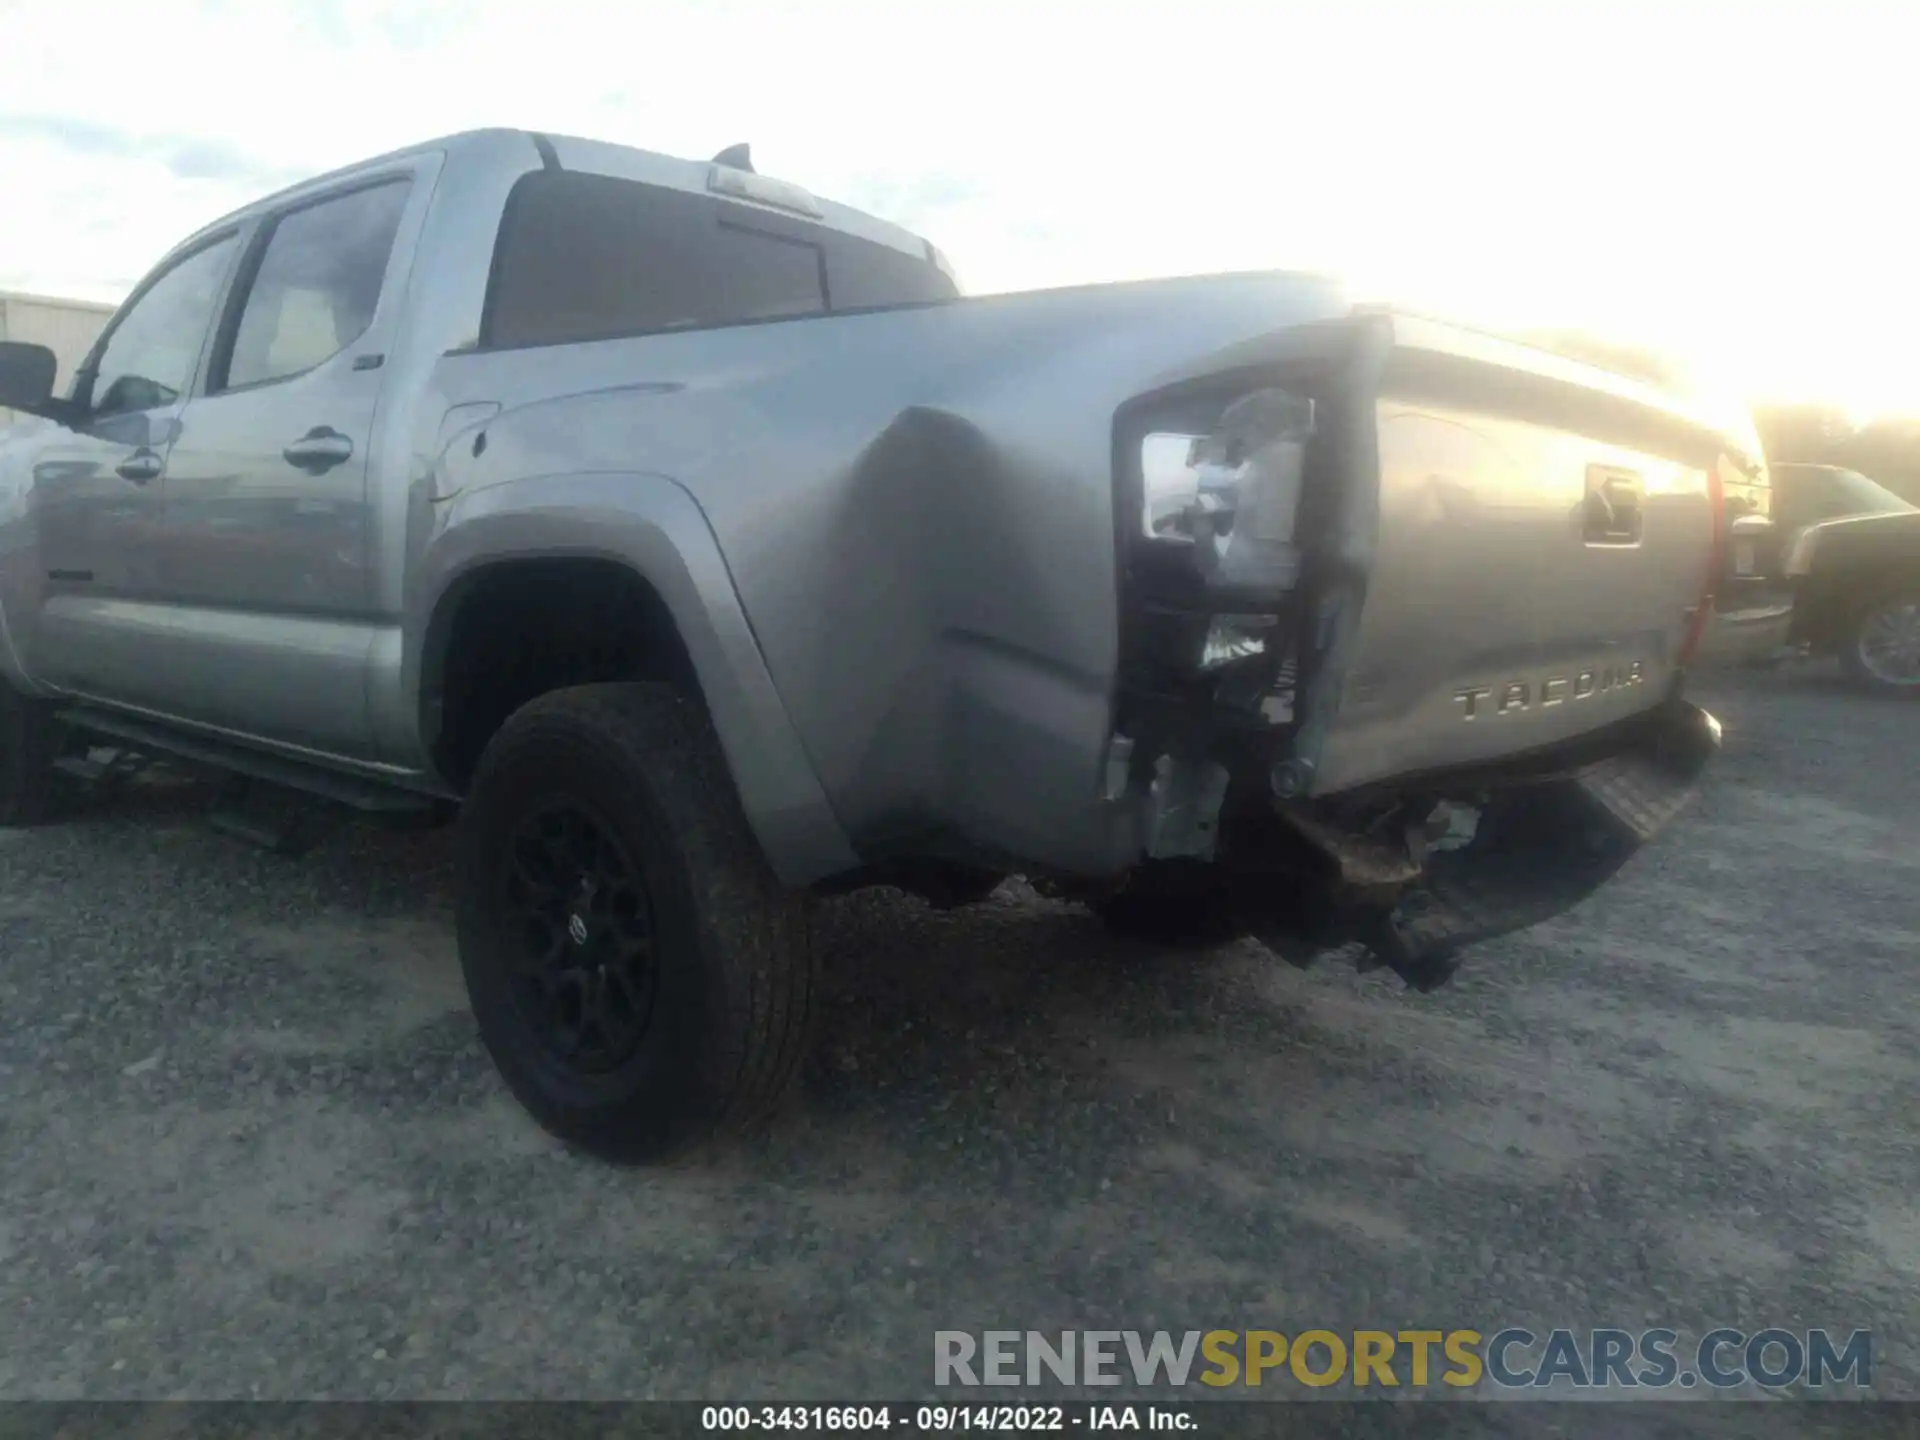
x=698 y=542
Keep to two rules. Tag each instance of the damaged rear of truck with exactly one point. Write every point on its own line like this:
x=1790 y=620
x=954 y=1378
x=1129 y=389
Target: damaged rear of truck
x=1219 y=601
x=1406 y=613
x=710 y=552
x=1222 y=604
x=1353 y=629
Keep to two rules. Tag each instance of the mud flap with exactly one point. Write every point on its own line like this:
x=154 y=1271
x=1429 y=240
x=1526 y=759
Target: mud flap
x=1538 y=851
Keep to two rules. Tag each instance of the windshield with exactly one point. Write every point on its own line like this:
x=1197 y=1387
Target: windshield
x=1862 y=496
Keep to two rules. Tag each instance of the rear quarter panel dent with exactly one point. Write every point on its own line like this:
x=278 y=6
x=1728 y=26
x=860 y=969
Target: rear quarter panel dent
x=651 y=524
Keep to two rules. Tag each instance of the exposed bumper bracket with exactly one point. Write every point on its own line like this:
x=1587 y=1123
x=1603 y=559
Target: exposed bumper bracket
x=1538 y=850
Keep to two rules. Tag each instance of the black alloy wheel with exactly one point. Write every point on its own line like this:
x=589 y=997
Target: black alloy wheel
x=576 y=904
x=1883 y=651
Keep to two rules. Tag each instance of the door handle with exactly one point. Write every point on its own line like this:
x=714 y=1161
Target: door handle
x=319 y=450
x=140 y=467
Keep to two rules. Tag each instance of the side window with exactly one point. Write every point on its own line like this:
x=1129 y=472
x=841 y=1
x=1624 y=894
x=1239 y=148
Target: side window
x=149 y=358
x=589 y=257
x=316 y=286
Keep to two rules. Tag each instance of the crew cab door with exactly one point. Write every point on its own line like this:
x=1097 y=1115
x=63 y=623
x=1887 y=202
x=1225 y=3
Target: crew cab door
x=265 y=556
x=96 y=496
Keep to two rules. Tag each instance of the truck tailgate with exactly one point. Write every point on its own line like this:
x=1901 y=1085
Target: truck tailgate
x=1540 y=539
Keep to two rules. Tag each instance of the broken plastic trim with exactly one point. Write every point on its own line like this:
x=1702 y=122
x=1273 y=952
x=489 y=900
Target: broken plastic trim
x=1313 y=394
x=1537 y=850
x=1225 y=547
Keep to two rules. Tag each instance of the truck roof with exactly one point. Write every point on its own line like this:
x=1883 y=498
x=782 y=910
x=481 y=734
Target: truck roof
x=595 y=157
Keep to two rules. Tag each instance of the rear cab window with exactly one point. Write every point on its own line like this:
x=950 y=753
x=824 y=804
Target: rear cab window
x=585 y=257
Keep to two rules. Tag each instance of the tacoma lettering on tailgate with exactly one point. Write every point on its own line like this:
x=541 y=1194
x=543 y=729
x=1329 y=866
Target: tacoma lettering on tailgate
x=1547 y=691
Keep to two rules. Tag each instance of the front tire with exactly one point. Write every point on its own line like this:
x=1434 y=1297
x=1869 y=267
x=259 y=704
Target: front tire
x=639 y=976
x=1882 y=651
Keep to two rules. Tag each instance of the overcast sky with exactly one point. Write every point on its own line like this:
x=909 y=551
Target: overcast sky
x=1730 y=182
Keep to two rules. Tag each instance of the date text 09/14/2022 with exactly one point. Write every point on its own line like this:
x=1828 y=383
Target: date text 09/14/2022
x=945 y=1419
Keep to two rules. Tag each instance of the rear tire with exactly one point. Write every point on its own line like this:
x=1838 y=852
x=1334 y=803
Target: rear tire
x=31 y=790
x=639 y=976
x=1882 y=648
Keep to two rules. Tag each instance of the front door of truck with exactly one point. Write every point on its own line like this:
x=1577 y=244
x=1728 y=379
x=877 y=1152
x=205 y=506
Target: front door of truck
x=97 y=489
x=269 y=525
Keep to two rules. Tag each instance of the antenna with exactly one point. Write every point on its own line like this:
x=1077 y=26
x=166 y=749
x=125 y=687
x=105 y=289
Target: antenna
x=736 y=157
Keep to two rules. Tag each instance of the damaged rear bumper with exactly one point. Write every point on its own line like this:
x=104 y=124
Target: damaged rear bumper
x=1540 y=843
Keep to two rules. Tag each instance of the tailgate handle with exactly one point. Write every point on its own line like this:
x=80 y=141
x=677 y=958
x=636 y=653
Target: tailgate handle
x=1615 y=512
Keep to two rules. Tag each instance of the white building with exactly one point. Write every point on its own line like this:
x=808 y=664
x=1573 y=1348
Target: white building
x=67 y=327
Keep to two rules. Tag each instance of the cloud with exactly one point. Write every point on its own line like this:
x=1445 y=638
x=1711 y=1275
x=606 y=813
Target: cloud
x=917 y=194
x=183 y=157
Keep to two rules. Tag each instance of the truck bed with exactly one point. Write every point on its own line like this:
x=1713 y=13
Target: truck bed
x=906 y=501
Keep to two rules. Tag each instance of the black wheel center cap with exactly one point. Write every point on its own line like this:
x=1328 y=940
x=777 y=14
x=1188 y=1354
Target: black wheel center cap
x=580 y=923
x=580 y=918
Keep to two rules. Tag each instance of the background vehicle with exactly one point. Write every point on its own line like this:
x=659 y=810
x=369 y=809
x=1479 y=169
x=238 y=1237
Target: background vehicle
x=695 y=537
x=1853 y=560
x=1807 y=494
x=1884 y=447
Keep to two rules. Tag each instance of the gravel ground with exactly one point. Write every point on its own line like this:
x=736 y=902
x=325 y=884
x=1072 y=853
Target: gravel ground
x=251 y=1146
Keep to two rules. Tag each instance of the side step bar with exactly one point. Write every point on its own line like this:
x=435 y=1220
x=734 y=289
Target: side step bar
x=367 y=795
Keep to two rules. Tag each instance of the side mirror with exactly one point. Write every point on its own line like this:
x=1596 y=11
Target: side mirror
x=26 y=376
